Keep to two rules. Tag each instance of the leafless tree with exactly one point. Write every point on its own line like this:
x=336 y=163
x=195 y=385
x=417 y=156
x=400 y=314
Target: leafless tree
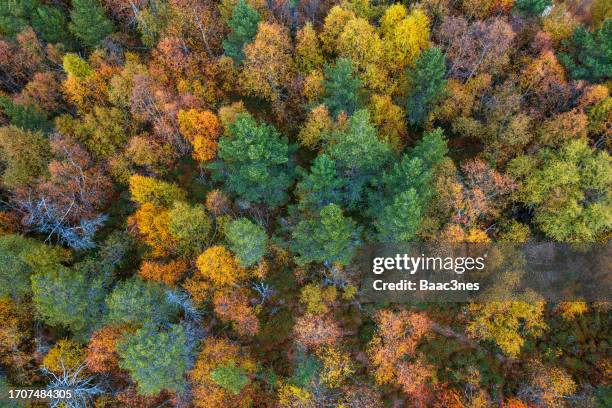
x=83 y=388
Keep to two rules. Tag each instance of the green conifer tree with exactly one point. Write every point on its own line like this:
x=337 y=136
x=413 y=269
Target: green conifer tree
x=589 y=54
x=89 y=23
x=255 y=162
x=341 y=87
x=532 y=7
x=331 y=237
x=400 y=220
x=15 y=16
x=156 y=359
x=427 y=85
x=321 y=186
x=247 y=240
x=243 y=25
x=359 y=154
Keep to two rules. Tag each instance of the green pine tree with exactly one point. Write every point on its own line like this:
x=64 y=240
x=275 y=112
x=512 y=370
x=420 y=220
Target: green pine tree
x=50 y=23
x=589 y=54
x=331 y=237
x=532 y=7
x=156 y=359
x=321 y=186
x=24 y=116
x=406 y=189
x=243 y=25
x=89 y=23
x=247 y=240
x=341 y=87
x=431 y=149
x=400 y=220
x=15 y=16
x=256 y=163
x=427 y=85
x=359 y=154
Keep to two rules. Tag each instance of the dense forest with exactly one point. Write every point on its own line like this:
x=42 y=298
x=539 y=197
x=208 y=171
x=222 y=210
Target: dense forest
x=184 y=185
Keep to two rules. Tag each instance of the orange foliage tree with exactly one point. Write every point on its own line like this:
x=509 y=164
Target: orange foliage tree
x=314 y=331
x=397 y=337
x=101 y=356
x=169 y=273
x=233 y=305
x=216 y=354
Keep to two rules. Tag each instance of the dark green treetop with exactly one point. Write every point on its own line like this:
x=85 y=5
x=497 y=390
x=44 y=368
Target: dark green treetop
x=589 y=54
x=243 y=25
x=427 y=85
x=330 y=237
x=255 y=162
x=341 y=87
x=89 y=23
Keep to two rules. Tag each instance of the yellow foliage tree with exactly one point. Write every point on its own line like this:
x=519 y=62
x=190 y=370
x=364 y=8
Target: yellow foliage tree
x=361 y=8
x=333 y=26
x=202 y=129
x=571 y=309
x=397 y=336
x=476 y=235
x=600 y=12
x=360 y=42
x=152 y=223
x=157 y=192
x=394 y=14
x=390 y=120
x=312 y=86
x=560 y=23
x=318 y=123
x=337 y=366
x=485 y=8
x=64 y=355
x=548 y=385
x=292 y=396
x=268 y=64
x=316 y=299
x=405 y=40
x=84 y=86
x=308 y=54
x=507 y=323
x=219 y=265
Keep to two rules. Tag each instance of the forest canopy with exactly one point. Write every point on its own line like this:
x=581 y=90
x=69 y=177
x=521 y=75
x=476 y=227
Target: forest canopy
x=184 y=186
